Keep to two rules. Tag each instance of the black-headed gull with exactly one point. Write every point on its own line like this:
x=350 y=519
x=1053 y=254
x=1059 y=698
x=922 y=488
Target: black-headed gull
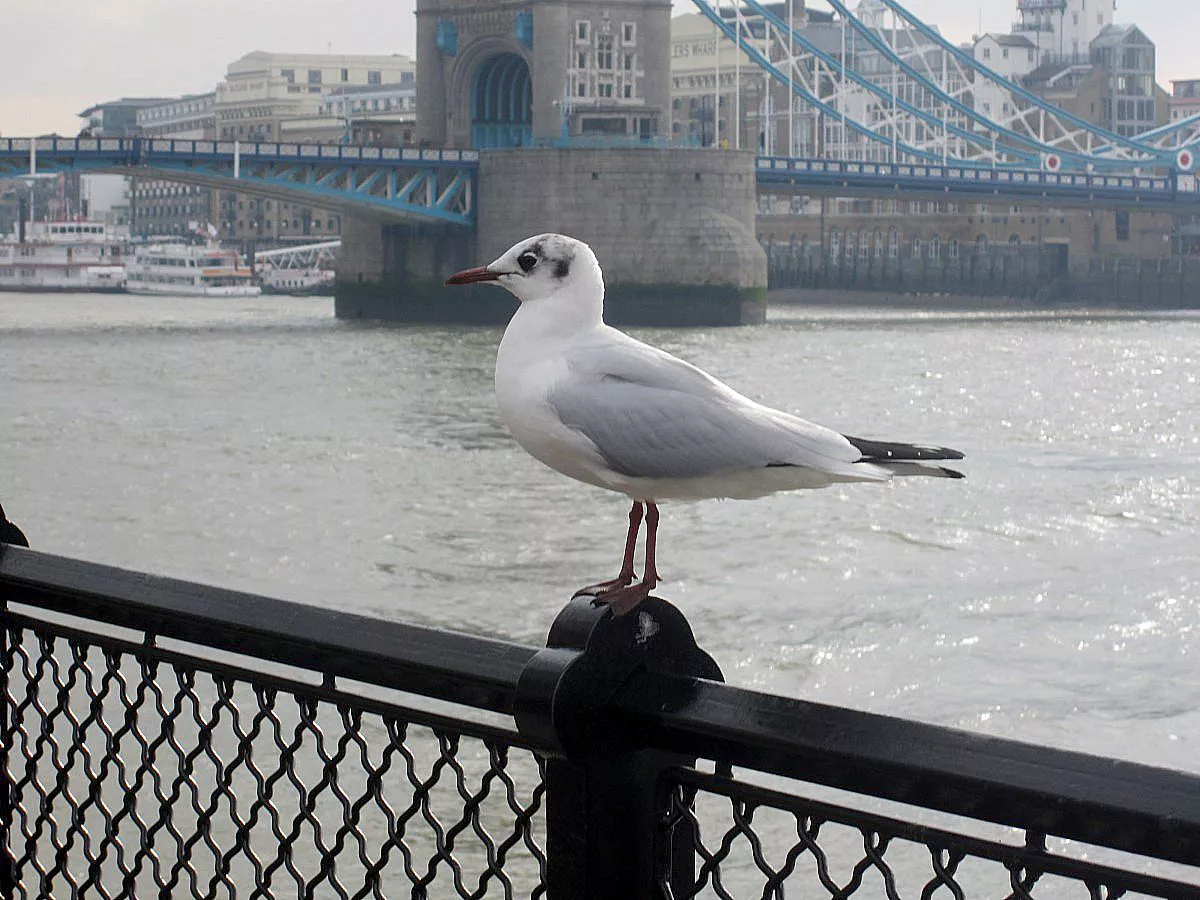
x=599 y=406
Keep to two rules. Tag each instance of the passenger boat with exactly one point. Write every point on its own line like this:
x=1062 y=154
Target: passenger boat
x=297 y=282
x=190 y=270
x=64 y=256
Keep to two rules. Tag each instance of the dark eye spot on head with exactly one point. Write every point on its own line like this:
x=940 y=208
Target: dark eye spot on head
x=527 y=261
x=562 y=268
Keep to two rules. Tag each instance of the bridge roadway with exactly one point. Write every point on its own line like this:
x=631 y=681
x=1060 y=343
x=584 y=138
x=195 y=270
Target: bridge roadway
x=439 y=186
x=383 y=182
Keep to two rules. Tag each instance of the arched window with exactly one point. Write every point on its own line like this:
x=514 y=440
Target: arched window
x=981 y=244
x=864 y=248
x=916 y=247
x=935 y=247
x=952 y=248
x=834 y=243
x=877 y=243
x=849 y=251
x=893 y=243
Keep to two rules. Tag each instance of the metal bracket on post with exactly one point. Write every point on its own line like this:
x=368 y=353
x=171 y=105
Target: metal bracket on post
x=604 y=796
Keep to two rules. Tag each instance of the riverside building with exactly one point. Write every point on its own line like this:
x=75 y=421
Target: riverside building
x=165 y=208
x=279 y=97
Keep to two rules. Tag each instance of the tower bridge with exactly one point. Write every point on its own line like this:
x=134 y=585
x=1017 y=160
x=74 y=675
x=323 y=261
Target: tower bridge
x=554 y=116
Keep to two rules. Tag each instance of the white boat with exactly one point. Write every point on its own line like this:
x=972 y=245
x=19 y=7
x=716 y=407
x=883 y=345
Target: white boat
x=190 y=270
x=297 y=282
x=64 y=256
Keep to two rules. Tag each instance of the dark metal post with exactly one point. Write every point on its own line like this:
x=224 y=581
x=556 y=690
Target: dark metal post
x=8 y=874
x=605 y=799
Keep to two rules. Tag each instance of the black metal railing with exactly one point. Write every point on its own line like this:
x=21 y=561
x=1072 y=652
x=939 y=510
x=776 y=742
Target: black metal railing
x=162 y=738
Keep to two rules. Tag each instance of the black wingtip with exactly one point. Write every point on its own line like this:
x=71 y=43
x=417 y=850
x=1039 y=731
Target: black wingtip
x=952 y=473
x=885 y=451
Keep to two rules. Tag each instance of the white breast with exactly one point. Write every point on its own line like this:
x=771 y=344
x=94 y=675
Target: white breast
x=523 y=383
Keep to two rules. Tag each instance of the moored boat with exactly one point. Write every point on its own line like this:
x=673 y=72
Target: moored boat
x=192 y=270
x=64 y=256
x=296 y=282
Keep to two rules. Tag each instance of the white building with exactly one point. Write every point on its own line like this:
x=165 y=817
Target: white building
x=1185 y=99
x=1063 y=30
x=106 y=197
x=364 y=114
x=261 y=89
x=279 y=97
x=1011 y=56
x=190 y=117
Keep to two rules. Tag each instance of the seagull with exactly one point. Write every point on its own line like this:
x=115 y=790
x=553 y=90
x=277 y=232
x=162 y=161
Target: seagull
x=602 y=407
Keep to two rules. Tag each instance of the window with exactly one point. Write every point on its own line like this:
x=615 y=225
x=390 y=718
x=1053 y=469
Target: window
x=627 y=62
x=314 y=76
x=935 y=247
x=952 y=248
x=628 y=32
x=583 y=30
x=604 y=53
x=987 y=52
x=374 y=76
x=1004 y=53
x=583 y=57
x=289 y=75
x=345 y=75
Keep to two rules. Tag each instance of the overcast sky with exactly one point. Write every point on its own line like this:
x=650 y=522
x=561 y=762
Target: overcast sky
x=61 y=56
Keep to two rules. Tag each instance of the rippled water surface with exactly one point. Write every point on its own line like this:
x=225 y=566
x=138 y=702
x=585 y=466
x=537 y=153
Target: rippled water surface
x=262 y=445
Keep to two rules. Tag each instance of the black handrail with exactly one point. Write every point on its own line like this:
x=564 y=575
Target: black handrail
x=617 y=705
x=1058 y=792
x=446 y=665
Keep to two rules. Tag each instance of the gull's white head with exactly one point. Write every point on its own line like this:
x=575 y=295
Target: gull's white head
x=541 y=267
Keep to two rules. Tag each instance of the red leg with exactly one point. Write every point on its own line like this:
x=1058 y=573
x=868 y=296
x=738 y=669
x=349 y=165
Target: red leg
x=624 y=599
x=651 y=575
x=635 y=524
x=626 y=575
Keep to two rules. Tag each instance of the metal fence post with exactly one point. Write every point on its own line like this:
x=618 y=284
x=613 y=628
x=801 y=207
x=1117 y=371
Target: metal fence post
x=8 y=875
x=604 y=799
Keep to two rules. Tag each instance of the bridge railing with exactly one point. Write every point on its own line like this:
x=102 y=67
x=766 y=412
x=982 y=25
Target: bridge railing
x=163 y=738
x=142 y=149
x=783 y=167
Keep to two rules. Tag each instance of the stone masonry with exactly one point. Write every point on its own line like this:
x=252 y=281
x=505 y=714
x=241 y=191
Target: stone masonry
x=486 y=28
x=673 y=229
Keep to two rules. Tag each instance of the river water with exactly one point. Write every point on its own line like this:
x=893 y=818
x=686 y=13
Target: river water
x=262 y=445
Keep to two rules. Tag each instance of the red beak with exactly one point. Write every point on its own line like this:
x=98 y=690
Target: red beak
x=472 y=276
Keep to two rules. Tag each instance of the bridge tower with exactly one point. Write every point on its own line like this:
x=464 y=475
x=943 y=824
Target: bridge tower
x=568 y=101
x=508 y=73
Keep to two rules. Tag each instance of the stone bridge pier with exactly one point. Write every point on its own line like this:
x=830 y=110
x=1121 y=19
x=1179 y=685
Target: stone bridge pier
x=673 y=229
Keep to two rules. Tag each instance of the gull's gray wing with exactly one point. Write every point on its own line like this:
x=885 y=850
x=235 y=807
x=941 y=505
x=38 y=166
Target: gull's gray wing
x=651 y=415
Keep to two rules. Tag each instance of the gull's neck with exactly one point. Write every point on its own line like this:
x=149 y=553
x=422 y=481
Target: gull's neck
x=574 y=308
